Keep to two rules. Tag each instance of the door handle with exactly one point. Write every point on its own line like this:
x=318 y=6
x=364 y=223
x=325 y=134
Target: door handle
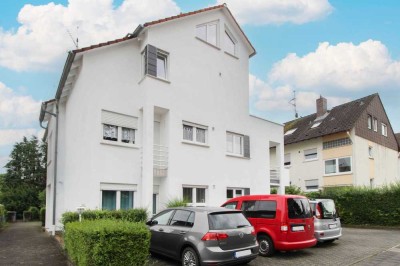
x=161 y=230
x=182 y=232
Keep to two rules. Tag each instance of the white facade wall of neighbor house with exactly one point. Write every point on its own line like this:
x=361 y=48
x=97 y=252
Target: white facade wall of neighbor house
x=204 y=85
x=302 y=170
x=376 y=170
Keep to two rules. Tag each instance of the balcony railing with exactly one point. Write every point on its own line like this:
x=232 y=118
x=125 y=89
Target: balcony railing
x=274 y=174
x=160 y=160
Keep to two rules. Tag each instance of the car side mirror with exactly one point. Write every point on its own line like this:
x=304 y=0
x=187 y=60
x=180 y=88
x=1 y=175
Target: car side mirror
x=152 y=222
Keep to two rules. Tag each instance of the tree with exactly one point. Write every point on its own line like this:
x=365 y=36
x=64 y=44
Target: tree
x=25 y=176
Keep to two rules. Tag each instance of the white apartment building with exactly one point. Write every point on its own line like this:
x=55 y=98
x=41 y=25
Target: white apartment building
x=160 y=114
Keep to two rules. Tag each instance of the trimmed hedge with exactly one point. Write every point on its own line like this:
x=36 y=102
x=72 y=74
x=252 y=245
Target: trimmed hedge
x=131 y=215
x=365 y=206
x=2 y=215
x=107 y=242
x=43 y=215
x=35 y=213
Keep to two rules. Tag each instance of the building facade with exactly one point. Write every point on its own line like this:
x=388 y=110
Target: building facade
x=160 y=114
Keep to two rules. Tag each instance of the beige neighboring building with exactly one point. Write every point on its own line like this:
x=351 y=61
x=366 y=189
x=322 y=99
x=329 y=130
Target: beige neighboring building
x=351 y=145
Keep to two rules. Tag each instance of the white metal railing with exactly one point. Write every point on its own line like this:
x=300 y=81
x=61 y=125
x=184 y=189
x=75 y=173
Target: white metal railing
x=160 y=160
x=274 y=175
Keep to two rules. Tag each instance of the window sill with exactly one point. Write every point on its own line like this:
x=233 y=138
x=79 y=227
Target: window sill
x=205 y=145
x=336 y=174
x=236 y=156
x=287 y=166
x=119 y=144
x=370 y=157
x=153 y=77
x=232 y=55
x=212 y=45
x=310 y=160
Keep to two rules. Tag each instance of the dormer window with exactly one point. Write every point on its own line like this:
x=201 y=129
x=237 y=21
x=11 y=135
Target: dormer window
x=208 y=32
x=316 y=124
x=290 y=131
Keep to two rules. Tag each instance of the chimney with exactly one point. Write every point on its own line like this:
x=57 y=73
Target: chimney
x=322 y=106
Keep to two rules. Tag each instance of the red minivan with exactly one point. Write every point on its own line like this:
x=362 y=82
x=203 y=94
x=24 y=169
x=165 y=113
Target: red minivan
x=282 y=222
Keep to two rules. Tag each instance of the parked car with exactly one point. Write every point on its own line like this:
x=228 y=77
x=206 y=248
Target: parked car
x=282 y=222
x=203 y=235
x=326 y=223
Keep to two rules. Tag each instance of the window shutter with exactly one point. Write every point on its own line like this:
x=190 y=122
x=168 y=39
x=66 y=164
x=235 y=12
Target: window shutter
x=311 y=183
x=116 y=119
x=247 y=191
x=151 y=60
x=246 y=146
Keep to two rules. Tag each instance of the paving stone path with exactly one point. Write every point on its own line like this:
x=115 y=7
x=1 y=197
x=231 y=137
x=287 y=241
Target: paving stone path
x=26 y=244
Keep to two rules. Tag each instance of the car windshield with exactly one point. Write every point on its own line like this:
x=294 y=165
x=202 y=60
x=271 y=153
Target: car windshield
x=298 y=208
x=328 y=209
x=227 y=220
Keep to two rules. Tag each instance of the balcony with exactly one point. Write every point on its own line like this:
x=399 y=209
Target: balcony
x=274 y=176
x=160 y=161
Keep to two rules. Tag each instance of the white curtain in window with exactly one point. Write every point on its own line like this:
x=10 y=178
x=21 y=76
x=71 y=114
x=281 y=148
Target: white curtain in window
x=110 y=132
x=128 y=135
x=201 y=135
x=187 y=132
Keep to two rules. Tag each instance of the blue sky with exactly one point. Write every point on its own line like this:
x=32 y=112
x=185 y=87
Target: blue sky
x=340 y=49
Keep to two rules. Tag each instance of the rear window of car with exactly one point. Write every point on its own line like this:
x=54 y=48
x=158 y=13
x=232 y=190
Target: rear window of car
x=328 y=208
x=259 y=208
x=227 y=220
x=231 y=205
x=298 y=208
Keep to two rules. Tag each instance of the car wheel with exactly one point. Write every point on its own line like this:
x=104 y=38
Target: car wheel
x=189 y=257
x=266 y=246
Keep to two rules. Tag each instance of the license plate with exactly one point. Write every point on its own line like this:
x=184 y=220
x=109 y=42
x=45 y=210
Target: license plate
x=331 y=226
x=242 y=253
x=298 y=228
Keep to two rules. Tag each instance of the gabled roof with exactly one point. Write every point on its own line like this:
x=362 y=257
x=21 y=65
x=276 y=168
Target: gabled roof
x=340 y=119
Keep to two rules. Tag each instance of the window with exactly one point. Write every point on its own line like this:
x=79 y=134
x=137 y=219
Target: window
x=336 y=143
x=110 y=202
x=182 y=218
x=369 y=122
x=236 y=192
x=287 y=161
x=384 y=130
x=290 y=131
x=375 y=124
x=311 y=184
x=310 y=154
x=118 y=127
x=163 y=217
x=316 y=124
x=155 y=62
x=208 y=32
x=230 y=43
x=298 y=208
x=259 y=208
x=238 y=144
x=370 y=152
x=338 y=165
x=194 y=133
x=195 y=196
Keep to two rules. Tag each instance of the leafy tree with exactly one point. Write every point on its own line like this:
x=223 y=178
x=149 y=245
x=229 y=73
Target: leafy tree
x=25 y=176
x=293 y=190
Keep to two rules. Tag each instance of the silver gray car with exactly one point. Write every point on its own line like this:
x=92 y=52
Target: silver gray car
x=203 y=235
x=327 y=226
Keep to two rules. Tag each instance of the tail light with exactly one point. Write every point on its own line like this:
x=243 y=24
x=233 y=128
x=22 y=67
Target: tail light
x=318 y=212
x=214 y=236
x=284 y=228
x=253 y=232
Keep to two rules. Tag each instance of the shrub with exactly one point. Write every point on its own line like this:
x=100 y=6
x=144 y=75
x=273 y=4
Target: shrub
x=131 y=215
x=293 y=190
x=177 y=203
x=43 y=215
x=3 y=213
x=34 y=213
x=274 y=190
x=107 y=242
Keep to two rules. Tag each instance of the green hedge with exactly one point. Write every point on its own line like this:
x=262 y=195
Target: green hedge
x=43 y=215
x=107 y=242
x=365 y=206
x=132 y=215
x=2 y=215
x=35 y=213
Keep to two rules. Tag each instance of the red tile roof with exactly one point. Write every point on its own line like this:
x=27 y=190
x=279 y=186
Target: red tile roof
x=102 y=44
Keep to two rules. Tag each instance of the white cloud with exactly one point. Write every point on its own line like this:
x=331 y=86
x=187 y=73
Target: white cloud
x=343 y=66
x=11 y=136
x=17 y=110
x=259 y=12
x=43 y=31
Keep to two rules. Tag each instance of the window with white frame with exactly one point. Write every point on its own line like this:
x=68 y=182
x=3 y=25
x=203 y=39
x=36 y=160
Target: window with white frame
x=310 y=154
x=118 y=127
x=375 y=124
x=194 y=196
x=116 y=200
x=236 y=192
x=384 y=129
x=369 y=119
x=230 y=42
x=234 y=143
x=311 y=184
x=208 y=32
x=155 y=62
x=370 y=152
x=194 y=133
x=338 y=166
x=287 y=161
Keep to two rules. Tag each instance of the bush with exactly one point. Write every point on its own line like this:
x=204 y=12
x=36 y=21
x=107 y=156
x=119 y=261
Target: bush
x=274 y=190
x=3 y=213
x=43 y=215
x=177 y=203
x=107 y=242
x=293 y=190
x=132 y=215
x=34 y=213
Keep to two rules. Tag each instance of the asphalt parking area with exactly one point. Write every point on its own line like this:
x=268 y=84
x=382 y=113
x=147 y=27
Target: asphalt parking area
x=355 y=247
